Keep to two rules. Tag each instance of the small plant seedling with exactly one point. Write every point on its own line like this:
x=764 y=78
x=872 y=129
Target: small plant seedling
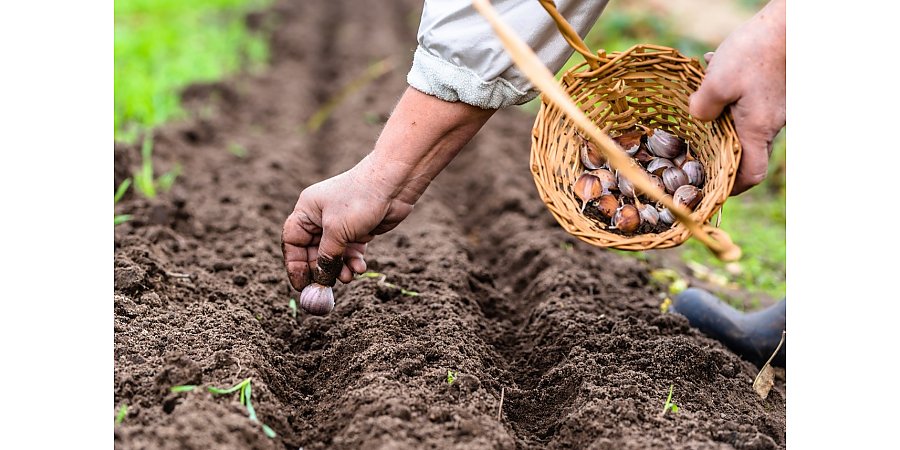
x=665 y=305
x=381 y=280
x=120 y=416
x=669 y=405
x=451 y=376
x=183 y=388
x=293 y=305
x=567 y=246
x=237 y=150
x=245 y=390
x=120 y=192
x=144 y=180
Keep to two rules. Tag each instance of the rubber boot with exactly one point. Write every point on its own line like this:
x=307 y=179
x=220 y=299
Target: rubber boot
x=753 y=336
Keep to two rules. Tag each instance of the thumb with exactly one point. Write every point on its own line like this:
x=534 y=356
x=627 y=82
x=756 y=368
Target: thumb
x=331 y=253
x=714 y=94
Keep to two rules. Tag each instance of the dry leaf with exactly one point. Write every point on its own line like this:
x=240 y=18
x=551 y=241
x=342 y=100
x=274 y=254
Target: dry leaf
x=764 y=381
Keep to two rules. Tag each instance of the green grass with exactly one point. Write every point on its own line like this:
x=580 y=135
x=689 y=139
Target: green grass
x=245 y=389
x=756 y=221
x=145 y=182
x=161 y=46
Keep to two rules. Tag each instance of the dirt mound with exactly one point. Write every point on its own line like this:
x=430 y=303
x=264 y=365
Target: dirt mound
x=570 y=334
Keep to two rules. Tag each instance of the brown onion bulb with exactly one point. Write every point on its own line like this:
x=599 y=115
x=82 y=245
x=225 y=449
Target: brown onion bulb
x=688 y=196
x=665 y=144
x=607 y=205
x=607 y=180
x=587 y=188
x=674 y=178
x=658 y=165
x=591 y=156
x=627 y=219
x=316 y=299
x=694 y=171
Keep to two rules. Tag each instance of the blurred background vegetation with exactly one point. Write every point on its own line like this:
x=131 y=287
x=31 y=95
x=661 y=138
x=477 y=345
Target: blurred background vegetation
x=162 y=46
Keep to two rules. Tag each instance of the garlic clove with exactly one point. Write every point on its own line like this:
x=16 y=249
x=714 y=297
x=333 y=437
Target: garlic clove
x=630 y=142
x=626 y=219
x=626 y=187
x=643 y=155
x=694 y=171
x=657 y=165
x=648 y=214
x=607 y=180
x=587 y=187
x=666 y=216
x=607 y=205
x=688 y=196
x=316 y=299
x=674 y=178
x=665 y=144
x=591 y=156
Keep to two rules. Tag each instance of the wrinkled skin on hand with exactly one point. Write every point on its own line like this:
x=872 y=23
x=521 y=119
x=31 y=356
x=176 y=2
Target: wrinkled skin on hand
x=354 y=207
x=747 y=72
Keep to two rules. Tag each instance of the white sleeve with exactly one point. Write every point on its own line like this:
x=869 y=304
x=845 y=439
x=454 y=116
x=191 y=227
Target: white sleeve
x=459 y=58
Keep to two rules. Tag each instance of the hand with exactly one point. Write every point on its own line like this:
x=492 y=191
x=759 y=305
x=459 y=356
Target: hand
x=748 y=73
x=338 y=217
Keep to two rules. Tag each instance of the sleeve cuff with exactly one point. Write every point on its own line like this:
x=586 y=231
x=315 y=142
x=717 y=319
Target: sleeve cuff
x=449 y=82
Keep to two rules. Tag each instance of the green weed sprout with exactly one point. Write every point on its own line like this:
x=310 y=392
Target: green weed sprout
x=293 y=305
x=120 y=192
x=183 y=388
x=669 y=405
x=120 y=416
x=245 y=390
x=451 y=376
x=381 y=280
x=144 y=180
x=237 y=150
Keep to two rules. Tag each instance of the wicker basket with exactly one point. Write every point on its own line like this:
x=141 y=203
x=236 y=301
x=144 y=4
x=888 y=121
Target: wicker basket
x=644 y=86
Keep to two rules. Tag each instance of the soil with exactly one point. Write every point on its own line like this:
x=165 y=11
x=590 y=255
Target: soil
x=570 y=336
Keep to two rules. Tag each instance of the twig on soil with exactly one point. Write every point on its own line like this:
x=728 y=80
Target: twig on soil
x=178 y=275
x=500 y=409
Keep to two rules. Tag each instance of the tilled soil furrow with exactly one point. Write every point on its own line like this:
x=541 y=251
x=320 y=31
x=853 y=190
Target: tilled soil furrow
x=570 y=333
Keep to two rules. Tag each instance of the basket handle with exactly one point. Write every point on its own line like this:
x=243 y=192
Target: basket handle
x=715 y=239
x=574 y=40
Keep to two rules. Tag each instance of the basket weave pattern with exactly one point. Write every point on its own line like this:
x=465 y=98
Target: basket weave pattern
x=645 y=86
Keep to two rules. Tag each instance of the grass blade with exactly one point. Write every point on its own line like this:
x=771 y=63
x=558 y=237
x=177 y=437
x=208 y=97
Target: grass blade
x=122 y=218
x=250 y=411
x=183 y=388
x=269 y=432
x=293 y=305
x=120 y=192
x=220 y=391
